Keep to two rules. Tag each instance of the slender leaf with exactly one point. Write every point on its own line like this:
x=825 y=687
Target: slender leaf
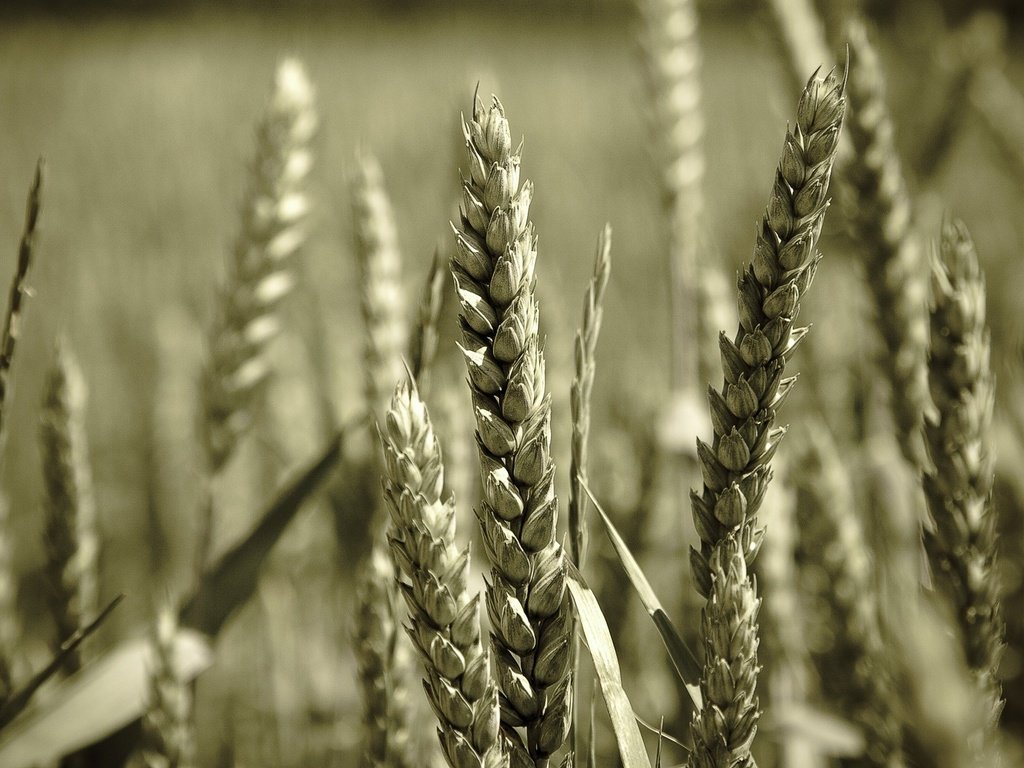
x=683 y=659
x=599 y=640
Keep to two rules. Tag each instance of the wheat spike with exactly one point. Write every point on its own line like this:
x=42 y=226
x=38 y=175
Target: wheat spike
x=672 y=62
x=493 y=266
x=962 y=546
x=444 y=617
x=736 y=466
x=260 y=272
x=582 y=385
x=830 y=538
x=168 y=738
x=71 y=538
x=382 y=299
x=892 y=256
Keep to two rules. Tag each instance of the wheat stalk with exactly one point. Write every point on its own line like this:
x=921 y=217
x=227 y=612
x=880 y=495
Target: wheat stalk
x=10 y=629
x=962 y=546
x=736 y=466
x=582 y=386
x=168 y=738
x=831 y=539
x=444 y=617
x=893 y=265
x=493 y=266
x=424 y=342
x=71 y=538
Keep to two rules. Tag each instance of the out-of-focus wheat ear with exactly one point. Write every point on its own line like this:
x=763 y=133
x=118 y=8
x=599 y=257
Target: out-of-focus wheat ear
x=527 y=601
x=382 y=297
x=891 y=253
x=424 y=342
x=857 y=674
x=10 y=626
x=385 y=698
x=260 y=273
x=962 y=545
x=168 y=731
x=444 y=616
x=582 y=387
x=670 y=42
x=70 y=535
x=736 y=465
x=717 y=311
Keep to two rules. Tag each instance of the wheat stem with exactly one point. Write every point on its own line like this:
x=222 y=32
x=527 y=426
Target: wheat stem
x=736 y=466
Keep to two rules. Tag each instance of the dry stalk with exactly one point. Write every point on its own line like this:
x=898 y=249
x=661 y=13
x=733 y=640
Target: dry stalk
x=444 y=617
x=736 y=466
x=893 y=264
x=582 y=386
x=10 y=628
x=493 y=266
x=71 y=538
x=962 y=546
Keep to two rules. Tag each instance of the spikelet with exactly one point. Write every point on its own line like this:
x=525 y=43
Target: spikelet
x=893 y=265
x=493 y=266
x=672 y=62
x=10 y=628
x=962 y=546
x=72 y=542
x=736 y=466
x=168 y=739
x=260 y=272
x=444 y=617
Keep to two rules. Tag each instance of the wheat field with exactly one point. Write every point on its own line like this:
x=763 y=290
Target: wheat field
x=665 y=407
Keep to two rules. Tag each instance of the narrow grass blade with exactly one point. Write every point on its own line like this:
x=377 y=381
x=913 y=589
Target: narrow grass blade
x=229 y=583
x=683 y=659
x=103 y=697
x=22 y=697
x=602 y=651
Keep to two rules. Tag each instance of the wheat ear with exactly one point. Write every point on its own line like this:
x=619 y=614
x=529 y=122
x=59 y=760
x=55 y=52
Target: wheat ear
x=582 y=386
x=72 y=541
x=10 y=629
x=893 y=264
x=259 y=276
x=962 y=546
x=670 y=42
x=830 y=538
x=736 y=466
x=260 y=273
x=444 y=617
x=493 y=266
x=168 y=737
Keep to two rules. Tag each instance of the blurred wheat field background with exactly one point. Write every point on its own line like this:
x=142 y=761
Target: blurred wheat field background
x=146 y=122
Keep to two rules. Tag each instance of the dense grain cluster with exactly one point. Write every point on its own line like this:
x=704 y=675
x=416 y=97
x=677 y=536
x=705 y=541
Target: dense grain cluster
x=736 y=465
x=493 y=266
x=962 y=546
x=893 y=264
x=445 y=617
